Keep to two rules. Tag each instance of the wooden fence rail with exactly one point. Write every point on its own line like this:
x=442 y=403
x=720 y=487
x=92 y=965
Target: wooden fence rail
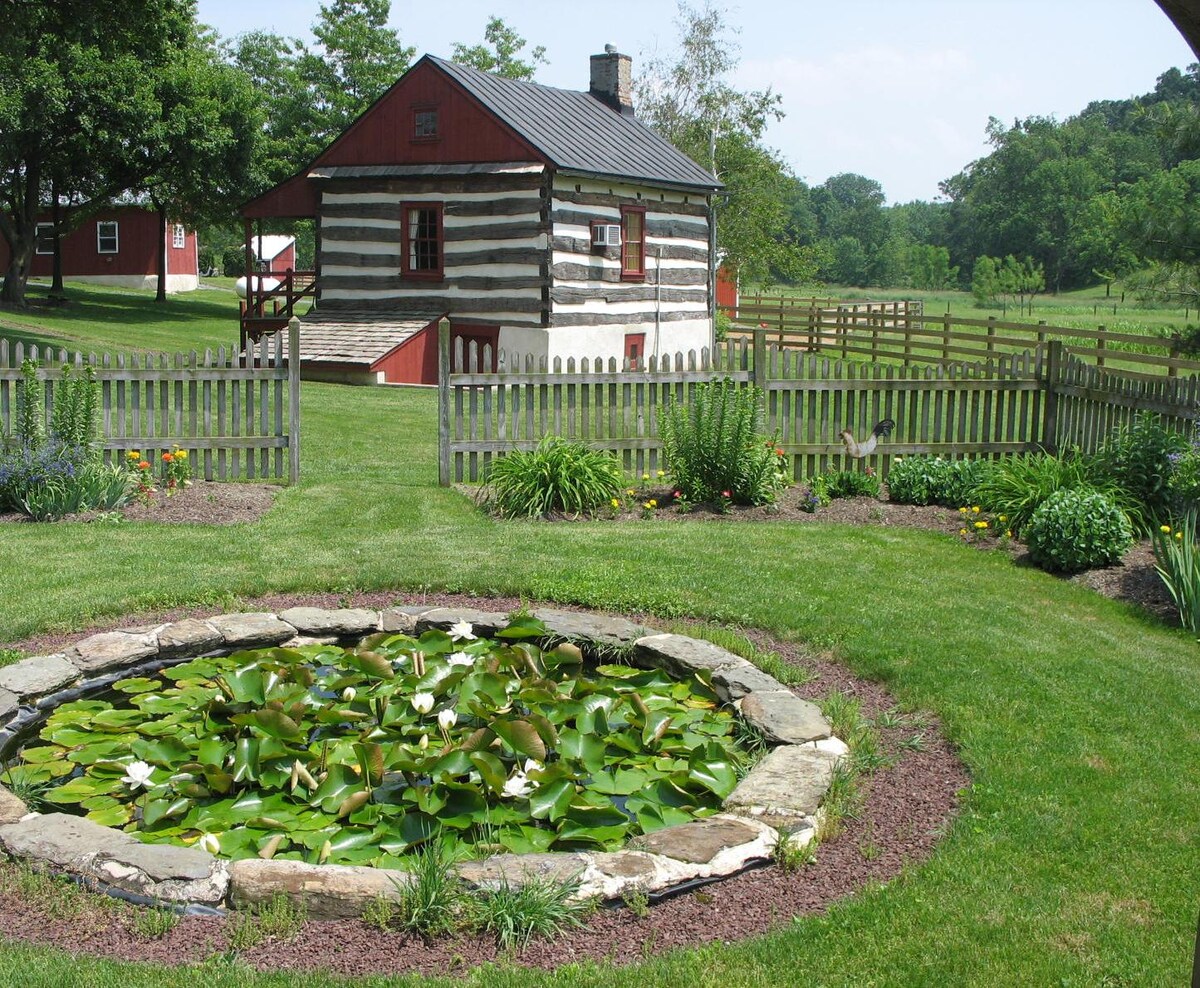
x=237 y=414
x=901 y=332
x=1016 y=403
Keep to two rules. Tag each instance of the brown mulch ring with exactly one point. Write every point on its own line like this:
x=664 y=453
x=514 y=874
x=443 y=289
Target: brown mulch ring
x=907 y=805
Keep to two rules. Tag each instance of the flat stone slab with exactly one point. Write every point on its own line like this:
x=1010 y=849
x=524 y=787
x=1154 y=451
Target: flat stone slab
x=698 y=842
x=598 y=627
x=252 y=630
x=111 y=649
x=38 y=675
x=8 y=704
x=790 y=781
x=484 y=624
x=188 y=637
x=163 y=871
x=61 y=840
x=733 y=683
x=343 y=622
x=11 y=807
x=517 y=869
x=784 y=718
x=682 y=657
x=402 y=620
x=327 y=891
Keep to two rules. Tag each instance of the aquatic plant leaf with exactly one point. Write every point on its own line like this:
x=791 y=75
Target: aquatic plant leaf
x=521 y=737
x=550 y=802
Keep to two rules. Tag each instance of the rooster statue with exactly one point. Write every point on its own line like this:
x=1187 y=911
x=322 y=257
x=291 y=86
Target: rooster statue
x=857 y=450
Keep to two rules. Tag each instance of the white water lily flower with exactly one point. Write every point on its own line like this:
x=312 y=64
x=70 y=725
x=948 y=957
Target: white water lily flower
x=424 y=742
x=137 y=775
x=447 y=719
x=422 y=702
x=462 y=631
x=517 y=785
x=348 y=694
x=531 y=766
x=210 y=843
x=460 y=659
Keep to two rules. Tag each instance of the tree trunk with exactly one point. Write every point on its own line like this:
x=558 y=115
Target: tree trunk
x=161 y=294
x=57 y=292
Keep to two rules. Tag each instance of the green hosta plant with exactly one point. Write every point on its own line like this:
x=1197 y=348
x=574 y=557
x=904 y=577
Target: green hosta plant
x=558 y=475
x=936 y=480
x=360 y=755
x=834 y=484
x=1075 y=530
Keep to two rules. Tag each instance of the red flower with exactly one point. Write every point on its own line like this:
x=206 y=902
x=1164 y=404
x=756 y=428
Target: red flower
x=778 y=451
x=726 y=494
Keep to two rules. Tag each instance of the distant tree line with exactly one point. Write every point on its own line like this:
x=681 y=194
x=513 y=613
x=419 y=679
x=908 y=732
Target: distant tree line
x=1112 y=193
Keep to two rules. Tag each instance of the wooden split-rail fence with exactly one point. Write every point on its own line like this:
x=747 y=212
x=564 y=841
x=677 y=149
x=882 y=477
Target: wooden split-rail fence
x=236 y=413
x=1019 y=403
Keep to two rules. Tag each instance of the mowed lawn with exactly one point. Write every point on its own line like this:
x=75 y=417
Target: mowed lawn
x=1074 y=862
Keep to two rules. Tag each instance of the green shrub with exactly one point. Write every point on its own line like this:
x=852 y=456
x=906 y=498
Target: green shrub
x=843 y=483
x=715 y=448
x=93 y=487
x=558 y=475
x=233 y=262
x=1017 y=486
x=936 y=480
x=1078 y=529
x=538 y=907
x=1178 y=565
x=1138 y=458
x=1183 y=487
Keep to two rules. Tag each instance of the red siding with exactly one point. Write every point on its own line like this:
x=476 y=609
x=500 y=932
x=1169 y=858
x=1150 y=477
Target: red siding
x=185 y=259
x=285 y=259
x=137 y=248
x=383 y=135
x=415 y=361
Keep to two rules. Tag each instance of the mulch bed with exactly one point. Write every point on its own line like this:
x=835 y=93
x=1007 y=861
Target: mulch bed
x=908 y=804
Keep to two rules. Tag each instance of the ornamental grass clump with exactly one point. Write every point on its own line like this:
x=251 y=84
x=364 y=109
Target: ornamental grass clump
x=716 y=449
x=1079 y=529
x=559 y=475
x=1178 y=563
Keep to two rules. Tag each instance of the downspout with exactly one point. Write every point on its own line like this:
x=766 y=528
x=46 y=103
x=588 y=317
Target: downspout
x=712 y=273
x=657 y=300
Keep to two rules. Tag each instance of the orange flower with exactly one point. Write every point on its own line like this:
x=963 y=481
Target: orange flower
x=143 y=465
x=168 y=458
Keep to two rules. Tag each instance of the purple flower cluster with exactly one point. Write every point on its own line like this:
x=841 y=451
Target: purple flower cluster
x=23 y=468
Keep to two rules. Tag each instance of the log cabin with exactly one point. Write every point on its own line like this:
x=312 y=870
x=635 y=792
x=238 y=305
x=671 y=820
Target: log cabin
x=543 y=222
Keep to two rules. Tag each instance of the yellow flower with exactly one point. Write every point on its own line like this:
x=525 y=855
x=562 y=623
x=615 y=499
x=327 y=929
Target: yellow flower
x=1179 y=535
x=133 y=454
x=662 y=473
x=181 y=454
x=981 y=524
x=645 y=476
x=1008 y=534
x=1165 y=529
x=1004 y=517
x=962 y=511
x=653 y=503
x=631 y=492
x=962 y=531
x=976 y=509
x=615 y=503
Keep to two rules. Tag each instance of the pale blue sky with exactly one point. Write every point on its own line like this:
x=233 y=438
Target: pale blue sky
x=897 y=91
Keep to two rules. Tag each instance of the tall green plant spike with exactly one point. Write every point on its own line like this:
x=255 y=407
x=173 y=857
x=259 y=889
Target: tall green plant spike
x=31 y=400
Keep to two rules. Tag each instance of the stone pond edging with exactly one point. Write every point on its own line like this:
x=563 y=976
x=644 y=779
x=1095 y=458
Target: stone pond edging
x=783 y=792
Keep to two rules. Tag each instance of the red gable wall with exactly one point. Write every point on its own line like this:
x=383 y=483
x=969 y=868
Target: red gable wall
x=468 y=133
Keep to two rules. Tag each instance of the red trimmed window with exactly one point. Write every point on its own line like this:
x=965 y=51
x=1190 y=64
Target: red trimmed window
x=423 y=240
x=635 y=349
x=425 y=123
x=633 y=243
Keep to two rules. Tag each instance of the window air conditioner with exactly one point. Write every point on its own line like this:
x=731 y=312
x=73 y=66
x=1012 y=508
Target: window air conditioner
x=606 y=235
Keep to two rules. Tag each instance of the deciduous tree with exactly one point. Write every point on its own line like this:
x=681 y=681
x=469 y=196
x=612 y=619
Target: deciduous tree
x=500 y=53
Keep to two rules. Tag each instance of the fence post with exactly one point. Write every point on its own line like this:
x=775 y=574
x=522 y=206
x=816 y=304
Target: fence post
x=760 y=359
x=293 y=400
x=1054 y=356
x=991 y=335
x=444 y=402
x=946 y=337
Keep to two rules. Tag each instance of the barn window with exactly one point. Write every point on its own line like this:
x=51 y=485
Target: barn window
x=425 y=123
x=177 y=235
x=45 y=238
x=423 y=240
x=633 y=243
x=106 y=237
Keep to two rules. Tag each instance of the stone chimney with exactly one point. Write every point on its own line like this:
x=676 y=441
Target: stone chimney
x=612 y=80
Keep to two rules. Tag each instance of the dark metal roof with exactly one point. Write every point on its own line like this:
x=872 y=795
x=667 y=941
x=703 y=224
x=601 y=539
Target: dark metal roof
x=580 y=134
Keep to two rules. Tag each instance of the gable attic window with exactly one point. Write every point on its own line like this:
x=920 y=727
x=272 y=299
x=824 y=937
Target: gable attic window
x=106 y=237
x=45 y=238
x=422 y=240
x=178 y=236
x=633 y=243
x=425 y=123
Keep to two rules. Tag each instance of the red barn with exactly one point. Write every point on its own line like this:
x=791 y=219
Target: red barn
x=546 y=222
x=118 y=246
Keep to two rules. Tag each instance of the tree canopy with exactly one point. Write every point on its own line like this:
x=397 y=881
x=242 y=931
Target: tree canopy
x=500 y=52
